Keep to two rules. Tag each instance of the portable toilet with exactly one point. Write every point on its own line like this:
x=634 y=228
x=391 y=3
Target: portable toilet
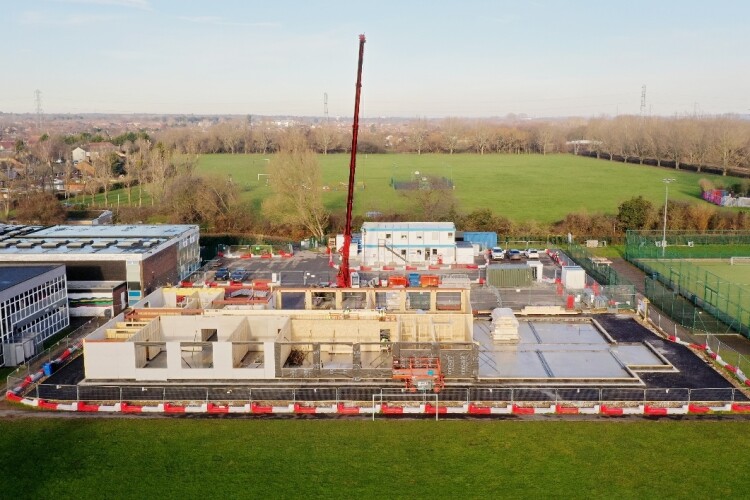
x=354 y=276
x=414 y=279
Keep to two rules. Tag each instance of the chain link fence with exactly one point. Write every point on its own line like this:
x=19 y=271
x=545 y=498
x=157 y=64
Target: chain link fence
x=686 y=244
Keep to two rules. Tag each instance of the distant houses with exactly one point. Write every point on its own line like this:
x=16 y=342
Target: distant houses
x=92 y=151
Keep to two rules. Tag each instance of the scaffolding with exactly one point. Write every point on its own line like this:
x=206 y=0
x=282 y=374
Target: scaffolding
x=419 y=373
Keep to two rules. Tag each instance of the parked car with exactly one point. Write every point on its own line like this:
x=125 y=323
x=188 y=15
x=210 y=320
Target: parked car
x=497 y=253
x=531 y=253
x=514 y=254
x=221 y=274
x=238 y=275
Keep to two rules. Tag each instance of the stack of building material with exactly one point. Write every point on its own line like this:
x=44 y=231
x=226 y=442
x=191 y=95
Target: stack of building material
x=505 y=326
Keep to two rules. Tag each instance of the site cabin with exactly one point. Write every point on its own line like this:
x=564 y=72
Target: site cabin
x=415 y=243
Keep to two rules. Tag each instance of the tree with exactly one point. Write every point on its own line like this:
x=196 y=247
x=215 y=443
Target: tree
x=42 y=209
x=635 y=213
x=297 y=187
x=434 y=201
x=418 y=136
x=482 y=137
x=326 y=137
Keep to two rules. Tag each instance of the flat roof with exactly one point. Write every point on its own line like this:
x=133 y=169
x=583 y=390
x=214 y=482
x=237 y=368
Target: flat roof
x=11 y=276
x=63 y=240
x=113 y=231
x=409 y=226
x=89 y=285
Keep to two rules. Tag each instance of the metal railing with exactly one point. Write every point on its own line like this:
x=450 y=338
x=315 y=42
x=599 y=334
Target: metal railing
x=35 y=363
x=578 y=396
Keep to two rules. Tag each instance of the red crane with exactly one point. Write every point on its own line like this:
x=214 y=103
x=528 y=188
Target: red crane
x=344 y=278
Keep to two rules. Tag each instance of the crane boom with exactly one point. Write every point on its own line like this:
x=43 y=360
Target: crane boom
x=344 y=279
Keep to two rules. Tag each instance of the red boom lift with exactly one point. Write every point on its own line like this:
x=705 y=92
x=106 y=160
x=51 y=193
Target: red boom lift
x=344 y=279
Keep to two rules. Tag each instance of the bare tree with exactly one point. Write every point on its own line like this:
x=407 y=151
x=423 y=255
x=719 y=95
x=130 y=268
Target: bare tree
x=326 y=137
x=482 y=135
x=297 y=186
x=418 y=135
x=728 y=140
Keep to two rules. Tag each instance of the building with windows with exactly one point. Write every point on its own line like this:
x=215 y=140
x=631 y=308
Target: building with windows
x=144 y=256
x=409 y=243
x=33 y=307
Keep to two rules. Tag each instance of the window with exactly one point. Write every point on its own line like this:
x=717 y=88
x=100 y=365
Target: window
x=387 y=235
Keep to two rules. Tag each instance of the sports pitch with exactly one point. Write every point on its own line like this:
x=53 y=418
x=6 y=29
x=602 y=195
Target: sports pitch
x=258 y=458
x=520 y=187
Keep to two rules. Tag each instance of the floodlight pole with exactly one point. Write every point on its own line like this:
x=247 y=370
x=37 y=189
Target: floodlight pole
x=666 y=200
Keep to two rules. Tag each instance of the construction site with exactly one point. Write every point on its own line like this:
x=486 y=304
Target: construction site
x=409 y=320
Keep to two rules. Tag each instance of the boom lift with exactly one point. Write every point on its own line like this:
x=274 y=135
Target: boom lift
x=344 y=278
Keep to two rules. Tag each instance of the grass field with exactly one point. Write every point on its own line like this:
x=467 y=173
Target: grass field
x=520 y=187
x=182 y=458
x=715 y=274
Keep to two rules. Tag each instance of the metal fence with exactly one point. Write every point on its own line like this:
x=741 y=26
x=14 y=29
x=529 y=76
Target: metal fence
x=460 y=395
x=729 y=354
x=686 y=244
x=696 y=298
x=35 y=363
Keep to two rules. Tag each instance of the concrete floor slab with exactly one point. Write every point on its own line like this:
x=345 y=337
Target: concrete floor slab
x=637 y=354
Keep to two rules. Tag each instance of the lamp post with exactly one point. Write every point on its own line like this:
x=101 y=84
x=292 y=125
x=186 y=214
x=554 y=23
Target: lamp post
x=666 y=200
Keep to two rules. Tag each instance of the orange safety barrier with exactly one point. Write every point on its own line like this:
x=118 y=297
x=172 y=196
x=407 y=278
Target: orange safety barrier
x=256 y=408
x=212 y=408
x=186 y=284
x=347 y=410
x=523 y=410
x=411 y=268
x=731 y=368
x=87 y=408
x=388 y=268
x=391 y=410
x=609 y=411
x=266 y=256
x=747 y=382
x=433 y=267
x=246 y=256
x=128 y=408
x=479 y=410
x=698 y=409
x=739 y=407
x=654 y=410
x=12 y=396
x=46 y=405
x=431 y=409
x=698 y=347
x=566 y=410
x=298 y=408
x=170 y=408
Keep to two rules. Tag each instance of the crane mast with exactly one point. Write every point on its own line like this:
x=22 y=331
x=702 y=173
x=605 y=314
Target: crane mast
x=344 y=279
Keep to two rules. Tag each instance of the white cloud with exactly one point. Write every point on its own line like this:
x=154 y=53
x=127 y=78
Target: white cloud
x=220 y=21
x=41 y=18
x=134 y=4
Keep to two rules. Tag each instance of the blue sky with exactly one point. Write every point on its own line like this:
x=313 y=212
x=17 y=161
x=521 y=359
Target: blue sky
x=470 y=58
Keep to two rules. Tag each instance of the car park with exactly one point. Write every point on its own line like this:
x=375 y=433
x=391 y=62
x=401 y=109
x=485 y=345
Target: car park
x=514 y=254
x=497 y=253
x=531 y=253
x=221 y=274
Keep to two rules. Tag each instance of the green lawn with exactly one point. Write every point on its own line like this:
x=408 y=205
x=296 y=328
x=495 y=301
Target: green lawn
x=520 y=187
x=184 y=458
